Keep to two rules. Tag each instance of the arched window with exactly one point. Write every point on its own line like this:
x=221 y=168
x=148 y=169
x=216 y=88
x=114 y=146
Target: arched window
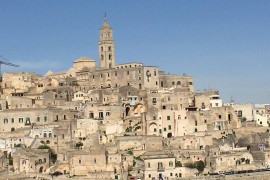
x=178 y=83
x=44 y=135
x=110 y=56
x=101 y=48
x=24 y=162
x=44 y=160
x=27 y=120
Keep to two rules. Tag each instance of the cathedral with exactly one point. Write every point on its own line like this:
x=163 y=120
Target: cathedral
x=109 y=74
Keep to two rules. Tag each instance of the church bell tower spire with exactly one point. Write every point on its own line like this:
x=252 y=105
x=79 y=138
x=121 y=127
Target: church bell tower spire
x=106 y=46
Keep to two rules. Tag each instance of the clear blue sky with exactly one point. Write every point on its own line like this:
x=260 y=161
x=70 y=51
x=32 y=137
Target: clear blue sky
x=223 y=44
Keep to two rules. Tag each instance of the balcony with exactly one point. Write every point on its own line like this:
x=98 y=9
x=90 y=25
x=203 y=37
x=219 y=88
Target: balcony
x=27 y=124
x=160 y=169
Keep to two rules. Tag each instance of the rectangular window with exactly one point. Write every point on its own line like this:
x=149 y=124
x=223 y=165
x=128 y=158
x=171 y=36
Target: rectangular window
x=168 y=117
x=20 y=120
x=169 y=127
x=115 y=73
x=45 y=118
x=149 y=165
x=12 y=120
x=164 y=129
x=149 y=175
x=91 y=115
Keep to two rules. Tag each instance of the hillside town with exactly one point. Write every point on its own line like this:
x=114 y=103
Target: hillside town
x=125 y=121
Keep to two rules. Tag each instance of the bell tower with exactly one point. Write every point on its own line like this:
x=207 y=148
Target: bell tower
x=106 y=46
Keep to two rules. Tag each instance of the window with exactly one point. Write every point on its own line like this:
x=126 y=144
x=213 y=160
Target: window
x=155 y=73
x=110 y=56
x=101 y=48
x=12 y=120
x=164 y=129
x=149 y=175
x=154 y=100
x=168 y=117
x=109 y=48
x=80 y=161
x=5 y=121
x=169 y=127
x=45 y=118
x=127 y=72
x=154 y=117
x=27 y=120
x=149 y=165
x=178 y=83
x=239 y=113
x=115 y=73
x=102 y=57
x=173 y=83
x=20 y=120
x=219 y=116
x=91 y=115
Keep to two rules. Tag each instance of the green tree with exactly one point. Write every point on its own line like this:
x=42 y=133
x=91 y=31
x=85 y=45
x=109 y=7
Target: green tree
x=199 y=165
x=10 y=159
